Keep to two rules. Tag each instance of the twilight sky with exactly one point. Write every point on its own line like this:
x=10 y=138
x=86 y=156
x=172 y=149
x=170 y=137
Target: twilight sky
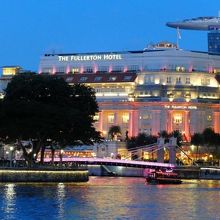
x=30 y=28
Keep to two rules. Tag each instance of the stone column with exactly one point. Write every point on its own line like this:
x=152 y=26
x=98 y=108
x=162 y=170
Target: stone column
x=172 y=150
x=100 y=121
x=170 y=121
x=216 y=120
x=155 y=122
x=133 y=123
x=186 y=125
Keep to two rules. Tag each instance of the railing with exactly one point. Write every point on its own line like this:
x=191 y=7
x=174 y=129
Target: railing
x=107 y=161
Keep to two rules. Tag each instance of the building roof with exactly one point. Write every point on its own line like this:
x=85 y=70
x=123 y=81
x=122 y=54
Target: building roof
x=218 y=78
x=101 y=78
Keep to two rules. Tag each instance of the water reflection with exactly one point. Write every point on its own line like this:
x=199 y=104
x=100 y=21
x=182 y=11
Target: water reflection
x=9 y=198
x=61 y=199
x=111 y=198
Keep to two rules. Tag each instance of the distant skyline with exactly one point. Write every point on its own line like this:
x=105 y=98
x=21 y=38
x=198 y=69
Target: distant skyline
x=30 y=28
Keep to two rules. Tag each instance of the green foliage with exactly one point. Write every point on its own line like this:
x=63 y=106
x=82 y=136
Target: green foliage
x=197 y=139
x=141 y=140
x=208 y=138
x=164 y=134
x=178 y=136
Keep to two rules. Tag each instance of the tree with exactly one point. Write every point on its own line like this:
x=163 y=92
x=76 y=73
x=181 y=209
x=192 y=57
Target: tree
x=141 y=140
x=178 y=136
x=209 y=136
x=114 y=131
x=42 y=108
x=197 y=140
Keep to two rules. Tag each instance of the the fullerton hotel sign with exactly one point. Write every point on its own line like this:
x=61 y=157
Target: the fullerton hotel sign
x=90 y=57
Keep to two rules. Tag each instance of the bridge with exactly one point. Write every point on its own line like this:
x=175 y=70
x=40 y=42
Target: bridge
x=110 y=162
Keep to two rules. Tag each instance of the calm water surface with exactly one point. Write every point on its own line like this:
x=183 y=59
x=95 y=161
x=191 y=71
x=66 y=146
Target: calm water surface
x=111 y=198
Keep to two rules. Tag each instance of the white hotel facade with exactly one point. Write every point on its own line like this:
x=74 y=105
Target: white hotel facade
x=147 y=91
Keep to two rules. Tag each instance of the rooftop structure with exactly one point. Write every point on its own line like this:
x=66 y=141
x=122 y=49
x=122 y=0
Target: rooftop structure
x=200 y=23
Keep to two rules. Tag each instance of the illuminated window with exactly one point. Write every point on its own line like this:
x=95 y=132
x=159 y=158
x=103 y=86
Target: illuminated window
x=75 y=70
x=98 y=90
x=125 y=118
x=111 y=118
x=146 y=116
x=180 y=69
x=209 y=118
x=205 y=81
x=177 y=119
x=96 y=117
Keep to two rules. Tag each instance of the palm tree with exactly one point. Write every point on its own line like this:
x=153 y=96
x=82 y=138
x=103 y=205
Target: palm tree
x=197 y=140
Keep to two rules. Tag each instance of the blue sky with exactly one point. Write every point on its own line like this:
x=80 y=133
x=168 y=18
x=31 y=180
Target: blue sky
x=30 y=28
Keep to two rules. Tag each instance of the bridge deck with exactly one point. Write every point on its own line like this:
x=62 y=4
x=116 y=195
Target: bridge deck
x=111 y=162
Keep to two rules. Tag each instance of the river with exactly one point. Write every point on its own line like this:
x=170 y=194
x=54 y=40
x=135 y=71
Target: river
x=111 y=198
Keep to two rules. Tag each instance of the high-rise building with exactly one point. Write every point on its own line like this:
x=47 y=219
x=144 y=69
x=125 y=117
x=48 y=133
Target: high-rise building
x=214 y=42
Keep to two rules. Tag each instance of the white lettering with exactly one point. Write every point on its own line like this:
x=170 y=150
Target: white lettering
x=63 y=58
x=90 y=57
x=180 y=107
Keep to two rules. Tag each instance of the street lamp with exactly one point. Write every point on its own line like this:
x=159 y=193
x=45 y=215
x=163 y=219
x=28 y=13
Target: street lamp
x=61 y=155
x=11 y=151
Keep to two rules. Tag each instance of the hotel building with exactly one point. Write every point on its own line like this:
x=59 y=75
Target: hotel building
x=159 y=88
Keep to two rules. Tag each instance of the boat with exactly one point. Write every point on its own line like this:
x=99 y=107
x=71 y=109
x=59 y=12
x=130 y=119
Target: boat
x=160 y=177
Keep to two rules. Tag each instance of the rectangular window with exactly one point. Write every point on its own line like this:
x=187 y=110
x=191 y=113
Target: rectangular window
x=127 y=78
x=133 y=68
x=61 y=69
x=88 y=69
x=146 y=116
x=97 y=78
x=111 y=118
x=75 y=70
x=125 y=118
x=47 y=70
x=187 y=80
x=205 y=81
x=169 y=80
x=96 y=117
x=112 y=78
x=177 y=119
x=178 y=80
x=209 y=118
x=83 y=79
